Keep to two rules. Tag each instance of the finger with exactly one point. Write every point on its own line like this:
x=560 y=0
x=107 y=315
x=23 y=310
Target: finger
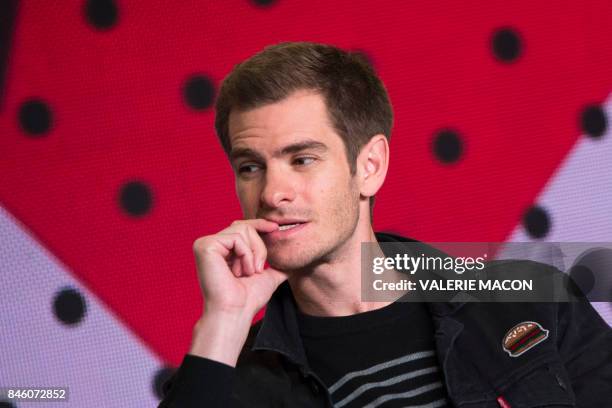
x=260 y=251
x=268 y=281
x=236 y=243
x=278 y=276
x=247 y=229
x=250 y=236
x=231 y=257
x=247 y=267
x=235 y=266
x=260 y=224
x=264 y=284
x=243 y=250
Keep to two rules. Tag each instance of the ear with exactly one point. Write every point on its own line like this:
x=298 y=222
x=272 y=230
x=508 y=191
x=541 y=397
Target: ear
x=372 y=165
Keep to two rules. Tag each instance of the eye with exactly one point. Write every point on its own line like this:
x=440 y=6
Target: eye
x=247 y=168
x=302 y=161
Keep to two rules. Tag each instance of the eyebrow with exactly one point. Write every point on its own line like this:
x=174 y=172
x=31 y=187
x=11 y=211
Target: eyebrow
x=289 y=149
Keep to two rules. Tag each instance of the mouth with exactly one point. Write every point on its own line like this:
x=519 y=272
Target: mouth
x=286 y=231
x=288 y=226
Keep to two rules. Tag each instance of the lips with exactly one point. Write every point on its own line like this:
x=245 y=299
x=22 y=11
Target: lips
x=285 y=221
x=286 y=230
x=288 y=226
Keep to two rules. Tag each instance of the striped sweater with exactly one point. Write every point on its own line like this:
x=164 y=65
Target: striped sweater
x=381 y=358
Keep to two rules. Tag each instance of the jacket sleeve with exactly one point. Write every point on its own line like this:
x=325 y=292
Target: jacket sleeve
x=585 y=346
x=199 y=382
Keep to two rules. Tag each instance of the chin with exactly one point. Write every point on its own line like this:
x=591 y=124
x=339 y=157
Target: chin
x=290 y=260
x=287 y=264
x=300 y=259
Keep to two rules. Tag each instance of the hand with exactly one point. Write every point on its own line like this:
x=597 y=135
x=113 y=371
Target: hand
x=230 y=269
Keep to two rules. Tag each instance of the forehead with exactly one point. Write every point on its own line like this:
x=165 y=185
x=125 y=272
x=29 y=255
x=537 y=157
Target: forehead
x=302 y=114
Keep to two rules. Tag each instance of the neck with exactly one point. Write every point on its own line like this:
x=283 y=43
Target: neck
x=334 y=288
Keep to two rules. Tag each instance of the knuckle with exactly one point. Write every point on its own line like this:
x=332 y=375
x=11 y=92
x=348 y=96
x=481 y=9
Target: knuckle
x=200 y=244
x=236 y=235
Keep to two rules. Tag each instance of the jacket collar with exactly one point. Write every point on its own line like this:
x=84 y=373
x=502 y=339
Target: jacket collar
x=279 y=329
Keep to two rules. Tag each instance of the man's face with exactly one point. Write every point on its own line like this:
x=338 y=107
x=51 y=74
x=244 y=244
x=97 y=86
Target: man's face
x=291 y=168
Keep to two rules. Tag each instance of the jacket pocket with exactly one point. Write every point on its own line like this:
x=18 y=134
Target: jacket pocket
x=546 y=385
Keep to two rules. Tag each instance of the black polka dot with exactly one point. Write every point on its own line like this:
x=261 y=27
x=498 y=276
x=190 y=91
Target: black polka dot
x=263 y=3
x=447 y=146
x=591 y=271
x=136 y=198
x=162 y=375
x=35 y=117
x=536 y=222
x=582 y=276
x=506 y=45
x=199 y=92
x=101 y=14
x=594 y=122
x=69 y=306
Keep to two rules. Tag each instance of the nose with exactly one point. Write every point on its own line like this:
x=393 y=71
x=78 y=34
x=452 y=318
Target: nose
x=278 y=189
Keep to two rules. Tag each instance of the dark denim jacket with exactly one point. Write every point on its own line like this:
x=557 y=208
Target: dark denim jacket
x=572 y=367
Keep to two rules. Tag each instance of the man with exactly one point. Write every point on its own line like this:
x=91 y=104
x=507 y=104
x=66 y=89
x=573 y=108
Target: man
x=306 y=128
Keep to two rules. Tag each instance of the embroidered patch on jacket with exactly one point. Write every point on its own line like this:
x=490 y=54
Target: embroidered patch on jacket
x=522 y=337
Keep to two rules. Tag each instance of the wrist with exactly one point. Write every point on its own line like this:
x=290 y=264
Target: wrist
x=220 y=336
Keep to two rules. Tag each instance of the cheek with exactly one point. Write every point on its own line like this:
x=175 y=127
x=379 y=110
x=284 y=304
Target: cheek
x=247 y=195
x=334 y=194
x=323 y=187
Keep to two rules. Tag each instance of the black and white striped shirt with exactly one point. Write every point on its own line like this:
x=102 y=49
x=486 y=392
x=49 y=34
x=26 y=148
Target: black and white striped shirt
x=381 y=358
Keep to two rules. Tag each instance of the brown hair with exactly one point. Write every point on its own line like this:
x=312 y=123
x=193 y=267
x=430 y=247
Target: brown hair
x=356 y=99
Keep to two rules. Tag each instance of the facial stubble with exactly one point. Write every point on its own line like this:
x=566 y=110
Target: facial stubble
x=329 y=245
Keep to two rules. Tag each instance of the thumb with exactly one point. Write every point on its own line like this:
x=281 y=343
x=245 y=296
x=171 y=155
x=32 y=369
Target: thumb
x=268 y=281
x=262 y=287
x=277 y=276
